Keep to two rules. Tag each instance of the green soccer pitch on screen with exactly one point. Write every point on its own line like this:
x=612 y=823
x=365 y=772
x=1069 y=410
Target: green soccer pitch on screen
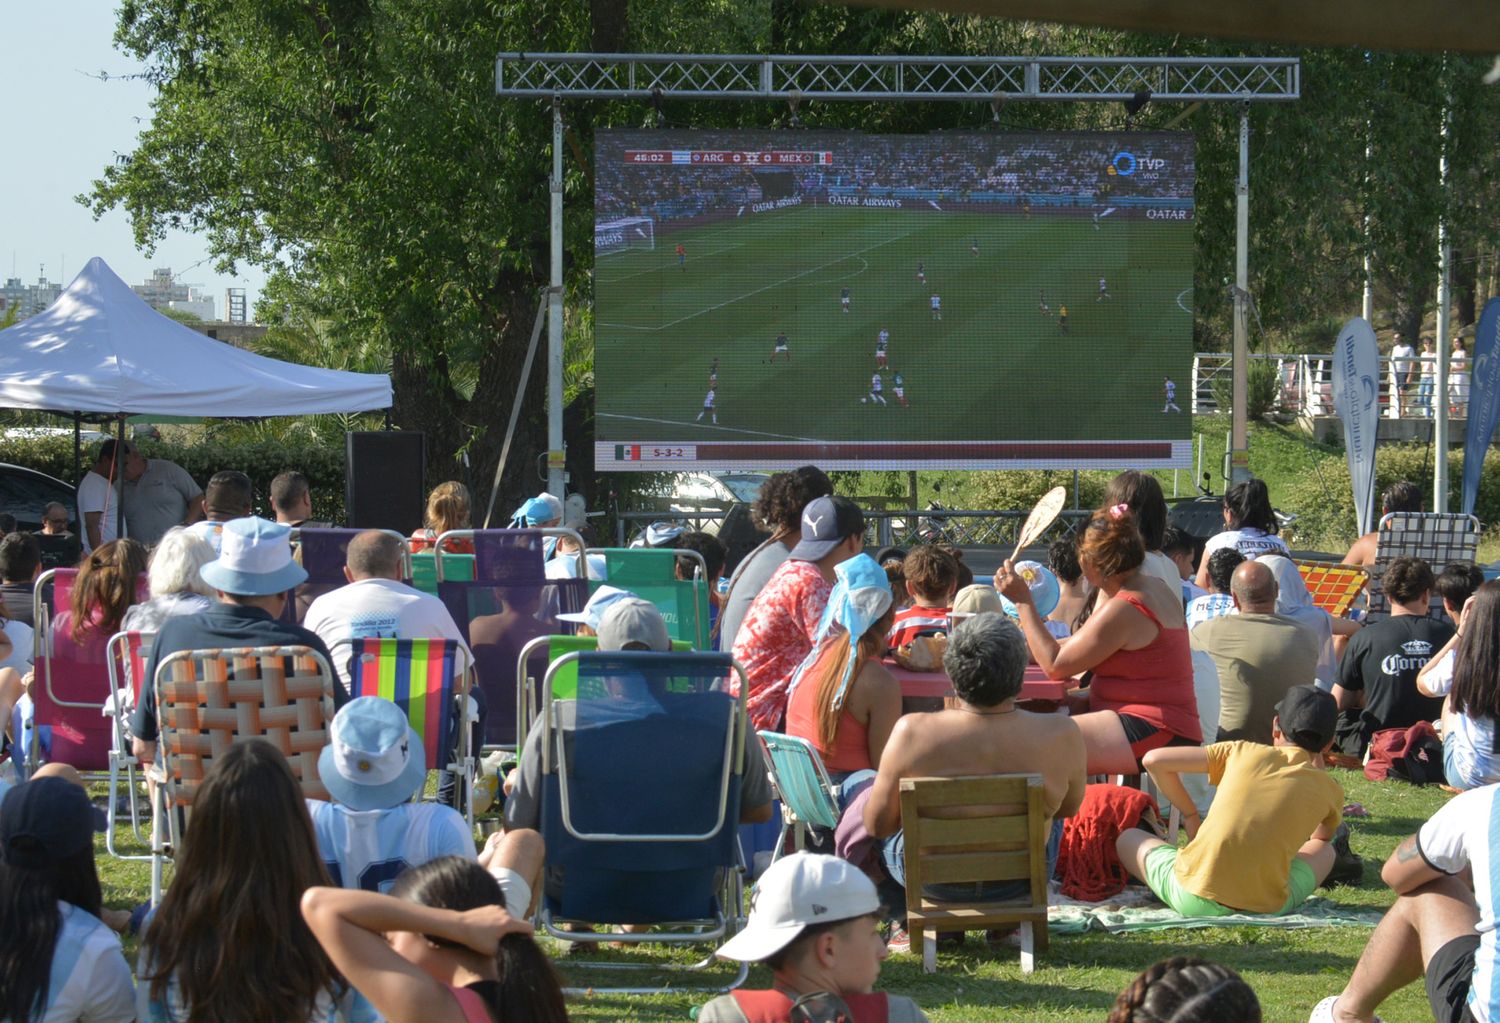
x=956 y=300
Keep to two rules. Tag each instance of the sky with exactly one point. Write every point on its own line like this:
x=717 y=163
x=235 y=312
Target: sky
x=61 y=128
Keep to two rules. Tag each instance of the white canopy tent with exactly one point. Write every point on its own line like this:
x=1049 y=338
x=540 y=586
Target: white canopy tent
x=100 y=349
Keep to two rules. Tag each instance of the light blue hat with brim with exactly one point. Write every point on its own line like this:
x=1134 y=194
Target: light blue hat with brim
x=255 y=559
x=374 y=759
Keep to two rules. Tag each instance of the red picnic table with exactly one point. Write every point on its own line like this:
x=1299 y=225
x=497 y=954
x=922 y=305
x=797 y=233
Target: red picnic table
x=925 y=690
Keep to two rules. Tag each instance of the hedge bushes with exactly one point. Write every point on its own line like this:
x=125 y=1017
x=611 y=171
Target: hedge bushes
x=261 y=460
x=1324 y=500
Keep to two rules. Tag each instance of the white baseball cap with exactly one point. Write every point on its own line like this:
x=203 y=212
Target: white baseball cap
x=797 y=890
x=599 y=603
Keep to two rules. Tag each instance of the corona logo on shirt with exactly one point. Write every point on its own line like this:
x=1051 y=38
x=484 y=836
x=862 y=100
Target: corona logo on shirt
x=1414 y=654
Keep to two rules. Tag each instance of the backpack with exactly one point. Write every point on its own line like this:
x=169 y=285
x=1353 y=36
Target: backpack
x=1412 y=755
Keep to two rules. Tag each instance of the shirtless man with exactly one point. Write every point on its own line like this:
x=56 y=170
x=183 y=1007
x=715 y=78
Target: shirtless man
x=983 y=734
x=1403 y=496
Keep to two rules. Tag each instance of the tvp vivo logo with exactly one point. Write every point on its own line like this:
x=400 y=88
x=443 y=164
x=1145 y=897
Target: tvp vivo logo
x=1124 y=164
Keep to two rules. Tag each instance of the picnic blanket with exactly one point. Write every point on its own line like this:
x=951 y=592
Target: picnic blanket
x=1132 y=914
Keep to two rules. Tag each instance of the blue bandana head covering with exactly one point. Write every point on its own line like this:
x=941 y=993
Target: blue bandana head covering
x=861 y=595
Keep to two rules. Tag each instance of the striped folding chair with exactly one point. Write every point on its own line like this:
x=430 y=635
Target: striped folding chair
x=1440 y=539
x=126 y=660
x=429 y=680
x=207 y=700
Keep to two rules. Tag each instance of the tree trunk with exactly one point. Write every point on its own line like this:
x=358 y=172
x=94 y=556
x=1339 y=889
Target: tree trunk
x=608 y=21
x=1409 y=306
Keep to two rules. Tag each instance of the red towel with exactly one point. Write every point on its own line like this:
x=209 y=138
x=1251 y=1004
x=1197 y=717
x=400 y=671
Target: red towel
x=1087 y=864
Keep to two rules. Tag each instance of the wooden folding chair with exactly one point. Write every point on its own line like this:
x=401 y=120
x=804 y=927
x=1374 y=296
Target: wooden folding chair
x=975 y=829
x=207 y=700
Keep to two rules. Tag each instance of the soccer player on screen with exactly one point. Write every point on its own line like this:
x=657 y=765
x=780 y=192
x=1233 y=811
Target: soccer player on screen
x=1171 y=388
x=781 y=347
x=1046 y=309
x=921 y=273
x=844 y=298
x=713 y=374
x=882 y=341
x=937 y=307
x=974 y=246
x=708 y=408
x=876 y=387
x=899 y=386
x=1103 y=290
x=681 y=257
x=1062 y=318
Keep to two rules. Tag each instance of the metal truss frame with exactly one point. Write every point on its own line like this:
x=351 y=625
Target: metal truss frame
x=894 y=79
x=897 y=79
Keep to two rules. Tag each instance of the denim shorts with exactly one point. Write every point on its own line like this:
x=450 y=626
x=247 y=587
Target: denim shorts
x=893 y=857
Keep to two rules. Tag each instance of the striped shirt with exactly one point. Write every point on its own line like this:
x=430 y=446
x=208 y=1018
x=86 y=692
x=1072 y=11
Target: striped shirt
x=90 y=979
x=1466 y=833
x=917 y=620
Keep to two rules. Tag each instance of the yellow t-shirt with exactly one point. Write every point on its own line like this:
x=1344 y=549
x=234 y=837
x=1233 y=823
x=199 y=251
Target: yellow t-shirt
x=1270 y=800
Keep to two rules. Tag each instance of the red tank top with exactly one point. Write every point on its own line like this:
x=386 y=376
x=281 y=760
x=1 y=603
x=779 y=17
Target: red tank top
x=775 y=1007
x=851 y=743
x=1154 y=683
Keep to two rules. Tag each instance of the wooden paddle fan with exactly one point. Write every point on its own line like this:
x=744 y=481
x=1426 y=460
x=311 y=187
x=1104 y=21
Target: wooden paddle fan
x=1042 y=516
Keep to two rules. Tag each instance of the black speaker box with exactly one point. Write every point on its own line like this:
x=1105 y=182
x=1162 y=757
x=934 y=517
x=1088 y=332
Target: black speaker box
x=383 y=480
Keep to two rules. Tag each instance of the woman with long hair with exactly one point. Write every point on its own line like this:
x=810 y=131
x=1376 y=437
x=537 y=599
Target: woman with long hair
x=58 y=961
x=843 y=700
x=228 y=942
x=441 y=948
x=448 y=508
x=106 y=586
x=1467 y=671
x=1141 y=492
x=1135 y=644
x=176 y=587
x=1250 y=526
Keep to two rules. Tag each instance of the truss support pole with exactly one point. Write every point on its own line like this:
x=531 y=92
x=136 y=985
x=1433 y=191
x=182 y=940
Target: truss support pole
x=556 y=477
x=1441 y=400
x=1239 y=454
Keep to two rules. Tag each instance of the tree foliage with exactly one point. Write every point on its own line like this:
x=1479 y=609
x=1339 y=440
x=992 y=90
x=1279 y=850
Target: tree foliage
x=356 y=150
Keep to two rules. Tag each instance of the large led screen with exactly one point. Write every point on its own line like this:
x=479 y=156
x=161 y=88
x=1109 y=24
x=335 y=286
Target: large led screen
x=976 y=300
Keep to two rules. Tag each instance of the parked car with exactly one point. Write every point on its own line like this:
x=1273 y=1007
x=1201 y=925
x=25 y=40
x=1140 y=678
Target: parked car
x=727 y=496
x=25 y=492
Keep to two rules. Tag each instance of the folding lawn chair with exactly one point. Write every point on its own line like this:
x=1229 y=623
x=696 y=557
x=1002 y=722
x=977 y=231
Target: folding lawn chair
x=532 y=665
x=651 y=574
x=207 y=700
x=1440 y=539
x=323 y=552
x=640 y=799
x=508 y=602
x=429 y=680
x=808 y=796
x=72 y=683
x=952 y=835
x=1334 y=588
x=126 y=661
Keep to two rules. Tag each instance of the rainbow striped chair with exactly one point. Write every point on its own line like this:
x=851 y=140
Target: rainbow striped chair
x=429 y=680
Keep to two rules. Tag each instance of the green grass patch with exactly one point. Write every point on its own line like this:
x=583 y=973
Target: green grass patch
x=1078 y=978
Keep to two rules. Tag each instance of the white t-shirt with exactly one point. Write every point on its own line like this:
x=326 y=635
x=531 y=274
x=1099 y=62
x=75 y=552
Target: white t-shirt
x=1459 y=836
x=379 y=608
x=96 y=495
x=1249 y=541
x=1475 y=761
x=366 y=849
x=1402 y=355
x=22 y=638
x=90 y=979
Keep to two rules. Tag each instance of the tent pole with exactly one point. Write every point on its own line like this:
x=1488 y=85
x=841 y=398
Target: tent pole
x=77 y=444
x=120 y=479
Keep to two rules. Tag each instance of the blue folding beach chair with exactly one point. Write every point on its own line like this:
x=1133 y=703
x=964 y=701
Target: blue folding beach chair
x=641 y=779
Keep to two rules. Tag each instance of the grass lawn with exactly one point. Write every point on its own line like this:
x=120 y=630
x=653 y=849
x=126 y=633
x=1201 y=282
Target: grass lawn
x=1080 y=976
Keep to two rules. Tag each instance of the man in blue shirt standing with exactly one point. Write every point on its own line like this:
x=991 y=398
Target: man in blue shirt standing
x=253 y=574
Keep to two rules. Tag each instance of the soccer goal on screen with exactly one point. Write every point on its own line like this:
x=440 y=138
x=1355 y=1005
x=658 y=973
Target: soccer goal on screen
x=613 y=236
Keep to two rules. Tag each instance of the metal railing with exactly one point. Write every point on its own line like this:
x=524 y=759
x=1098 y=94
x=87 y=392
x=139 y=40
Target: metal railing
x=894 y=527
x=1304 y=385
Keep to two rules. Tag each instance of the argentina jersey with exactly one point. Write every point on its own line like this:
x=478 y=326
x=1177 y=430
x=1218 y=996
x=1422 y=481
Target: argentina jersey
x=1465 y=832
x=368 y=849
x=90 y=978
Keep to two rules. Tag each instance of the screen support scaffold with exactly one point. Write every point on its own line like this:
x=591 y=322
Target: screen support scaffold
x=879 y=79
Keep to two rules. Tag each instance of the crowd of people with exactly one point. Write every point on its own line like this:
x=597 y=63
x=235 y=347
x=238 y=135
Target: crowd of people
x=1208 y=670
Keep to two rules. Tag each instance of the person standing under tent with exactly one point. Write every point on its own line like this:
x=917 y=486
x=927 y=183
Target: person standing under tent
x=98 y=507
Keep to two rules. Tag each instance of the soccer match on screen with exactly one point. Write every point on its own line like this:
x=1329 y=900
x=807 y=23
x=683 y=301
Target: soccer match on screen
x=869 y=301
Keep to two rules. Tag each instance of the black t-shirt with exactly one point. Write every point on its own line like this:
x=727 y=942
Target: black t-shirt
x=1383 y=660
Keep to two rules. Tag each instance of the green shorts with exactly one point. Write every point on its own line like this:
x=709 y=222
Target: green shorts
x=1161 y=876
